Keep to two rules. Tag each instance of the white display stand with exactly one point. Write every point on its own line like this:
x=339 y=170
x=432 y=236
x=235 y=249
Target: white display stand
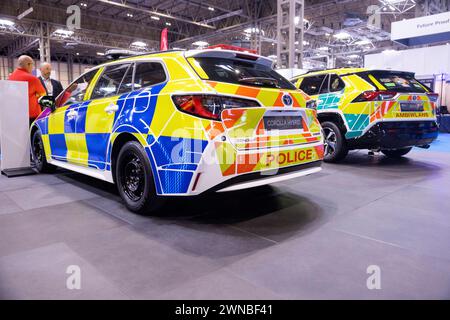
x=14 y=129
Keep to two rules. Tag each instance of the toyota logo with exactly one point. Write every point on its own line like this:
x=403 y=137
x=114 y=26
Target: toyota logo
x=287 y=99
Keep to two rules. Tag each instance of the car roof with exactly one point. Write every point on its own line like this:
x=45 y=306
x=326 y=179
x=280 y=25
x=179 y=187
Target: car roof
x=219 y=53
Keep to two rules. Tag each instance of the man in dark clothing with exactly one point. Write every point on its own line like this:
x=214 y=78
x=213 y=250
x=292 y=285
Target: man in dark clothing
x=52 y=86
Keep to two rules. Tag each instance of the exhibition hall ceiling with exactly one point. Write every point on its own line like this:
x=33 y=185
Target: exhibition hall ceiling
x=339 y=25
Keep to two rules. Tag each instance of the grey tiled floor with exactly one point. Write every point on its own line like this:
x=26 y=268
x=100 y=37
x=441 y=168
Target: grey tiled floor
x=312 y=237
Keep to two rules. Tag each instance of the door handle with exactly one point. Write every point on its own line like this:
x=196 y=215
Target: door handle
x=111 y=108
x=72 y=114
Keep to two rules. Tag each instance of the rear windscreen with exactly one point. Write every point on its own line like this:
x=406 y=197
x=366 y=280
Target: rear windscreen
x=243 y=73
x=399 y=82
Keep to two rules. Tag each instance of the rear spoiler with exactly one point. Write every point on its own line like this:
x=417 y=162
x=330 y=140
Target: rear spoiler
x=229 y=54
x=405 y=73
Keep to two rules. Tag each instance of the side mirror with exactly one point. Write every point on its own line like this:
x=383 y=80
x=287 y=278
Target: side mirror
x=47 y=102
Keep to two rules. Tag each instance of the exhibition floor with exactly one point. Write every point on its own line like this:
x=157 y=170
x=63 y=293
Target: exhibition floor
x=312 y=237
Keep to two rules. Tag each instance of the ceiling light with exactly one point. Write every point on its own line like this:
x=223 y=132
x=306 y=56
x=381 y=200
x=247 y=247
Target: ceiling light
x=389 y=51
x=168 y=24
x=200 y=43
x=83 y=4
x=155 y=18
x=6 y=22
x=63 y=32
x=77 y=53
x=211 y=9
x=342 y=35
x=129 y=15
x=139 y=44
x=363 y=42
x=254 y=30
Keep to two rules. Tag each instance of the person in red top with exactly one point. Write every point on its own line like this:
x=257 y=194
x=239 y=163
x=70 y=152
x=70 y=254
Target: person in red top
x=35 y=87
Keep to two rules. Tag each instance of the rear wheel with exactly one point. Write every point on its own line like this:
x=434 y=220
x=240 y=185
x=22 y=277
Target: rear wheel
x=335 y=144
x=396 y=153
x=134 y=179
x=38 y=154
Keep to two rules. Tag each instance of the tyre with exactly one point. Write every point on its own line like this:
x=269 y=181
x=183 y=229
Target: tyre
x=335 y=143
x=396 y=153
x=134 y=179
x=38 y=154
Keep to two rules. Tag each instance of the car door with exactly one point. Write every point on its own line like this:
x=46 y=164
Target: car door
x=64 y=124
x=110 y=90
x=331 y=92
x=312 y=85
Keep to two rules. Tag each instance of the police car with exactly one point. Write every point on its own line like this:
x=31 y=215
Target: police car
x=180 y=123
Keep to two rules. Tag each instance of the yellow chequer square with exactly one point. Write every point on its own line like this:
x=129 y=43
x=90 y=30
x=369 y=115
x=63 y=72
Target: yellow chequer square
x=97 y=119
x=56 y=121
x=77 y=151
x=47 y=149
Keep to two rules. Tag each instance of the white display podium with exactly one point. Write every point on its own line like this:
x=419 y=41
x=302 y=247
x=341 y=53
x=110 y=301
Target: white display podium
x=14 y=129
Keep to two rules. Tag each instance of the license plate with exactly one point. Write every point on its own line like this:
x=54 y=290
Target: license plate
x=283 y=122
x=408 y=106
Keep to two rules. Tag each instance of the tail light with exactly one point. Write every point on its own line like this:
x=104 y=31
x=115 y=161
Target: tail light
x=433 y=97
x=375 y=96
x=311 y=104
x=210 y=106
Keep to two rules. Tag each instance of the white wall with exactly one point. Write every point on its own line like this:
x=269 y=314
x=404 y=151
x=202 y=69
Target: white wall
x=422 y=61
x=59 y=70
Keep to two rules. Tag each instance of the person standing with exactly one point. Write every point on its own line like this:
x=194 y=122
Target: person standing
x=52 y=86
x=35 y=87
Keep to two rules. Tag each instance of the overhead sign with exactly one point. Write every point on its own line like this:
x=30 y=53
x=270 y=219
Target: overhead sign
x=423 y=30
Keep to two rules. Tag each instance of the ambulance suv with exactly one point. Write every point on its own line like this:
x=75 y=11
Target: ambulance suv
x=380 y=110
x=179 y=123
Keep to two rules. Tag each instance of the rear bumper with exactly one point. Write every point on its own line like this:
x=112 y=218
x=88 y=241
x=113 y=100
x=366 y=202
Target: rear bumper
x=396 y=134
x=255 y=179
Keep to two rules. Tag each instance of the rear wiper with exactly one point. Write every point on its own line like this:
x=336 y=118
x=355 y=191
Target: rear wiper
x=260 y=81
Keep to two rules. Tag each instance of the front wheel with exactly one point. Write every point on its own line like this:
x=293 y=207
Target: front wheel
x=38 y=154
x=335 y=143
x=134 y=179
x=396 y=153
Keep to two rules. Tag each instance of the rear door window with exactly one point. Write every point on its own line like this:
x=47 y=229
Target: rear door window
x=148 y=74
x=312 y=85
x=398 y=81
x=336 y=83
x=110 y=81
x=243 y=73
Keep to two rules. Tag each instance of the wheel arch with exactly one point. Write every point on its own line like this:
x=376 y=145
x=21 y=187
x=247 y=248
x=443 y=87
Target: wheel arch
x=333 y=117
x=33 y=129
x=117 y=145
